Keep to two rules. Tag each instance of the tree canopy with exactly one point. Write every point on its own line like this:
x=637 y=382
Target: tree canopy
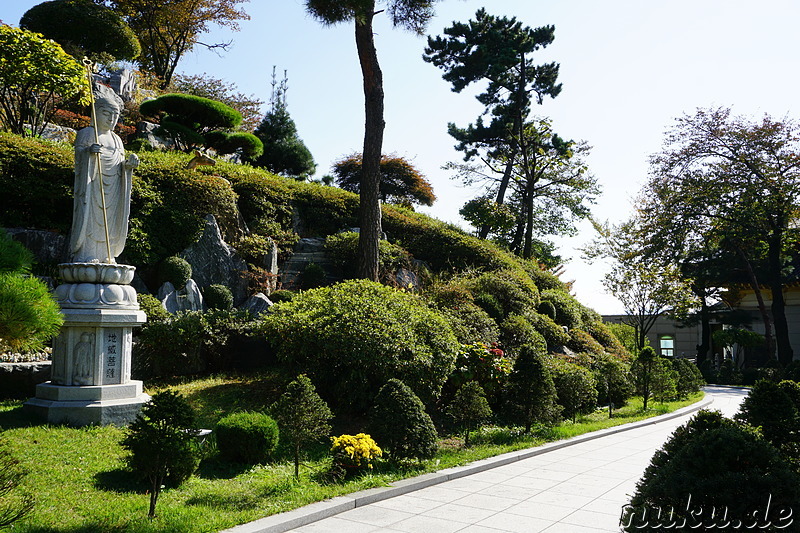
x=401 y=182
x=33 y=73
x=83 y=28
x=412 y=15
x=167 y=30
x=217 y=89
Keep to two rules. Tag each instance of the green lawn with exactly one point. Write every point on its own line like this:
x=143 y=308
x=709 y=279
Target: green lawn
x=80 y=484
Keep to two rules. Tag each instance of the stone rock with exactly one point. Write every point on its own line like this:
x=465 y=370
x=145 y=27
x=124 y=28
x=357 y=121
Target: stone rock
x=407 y=279
x=270 y=260
x=257 y=304
x=53 y=132
x=214 y=261
x=124 y=83
x=146 y=130
x=174 y=300
x=48 y=247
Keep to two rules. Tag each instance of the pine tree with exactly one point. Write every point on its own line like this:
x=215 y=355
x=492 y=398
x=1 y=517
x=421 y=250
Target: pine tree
x=284 y=151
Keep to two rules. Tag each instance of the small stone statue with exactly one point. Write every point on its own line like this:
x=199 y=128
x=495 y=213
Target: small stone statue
x=88 y=236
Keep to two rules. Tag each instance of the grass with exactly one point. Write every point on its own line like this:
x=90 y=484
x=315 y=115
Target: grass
x=80 y=483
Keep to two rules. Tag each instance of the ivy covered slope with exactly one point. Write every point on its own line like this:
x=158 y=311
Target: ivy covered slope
x=169 y=202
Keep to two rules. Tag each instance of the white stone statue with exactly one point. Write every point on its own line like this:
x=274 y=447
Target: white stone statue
x=88 y=237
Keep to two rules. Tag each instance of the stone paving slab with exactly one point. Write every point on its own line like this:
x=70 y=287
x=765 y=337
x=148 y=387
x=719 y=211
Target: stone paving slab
x=484 y=493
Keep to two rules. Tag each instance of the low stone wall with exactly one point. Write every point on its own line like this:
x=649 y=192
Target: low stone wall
x=19 y=380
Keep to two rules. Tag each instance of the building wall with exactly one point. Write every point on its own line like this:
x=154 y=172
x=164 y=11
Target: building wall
x=685 y=339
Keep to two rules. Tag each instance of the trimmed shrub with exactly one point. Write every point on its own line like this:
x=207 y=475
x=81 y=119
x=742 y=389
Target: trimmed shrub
x=568 y=310
x=247 y=437
x=576 y=388
x=469 y=408
x=399 y=422
x=162 y=445
x=489 y=367
x=515 y=292
x=354 y=336
x=614 y=380
x=342 y=249
x=152 y=307
x=218 y=296
x=690 y=379
x=547 y=308
x=313 y=276
x=471 y=324
x=728 y=374
x=282 y=295
x=192 y=111
x=491 y=305
x=532 y=393
x=245 y=143
x=302 y=415
x=581 y=342
x=175 y=270
x=722 y=465
x=553 y=334
x=775 y=408
x=602 y=333
x=516 y=331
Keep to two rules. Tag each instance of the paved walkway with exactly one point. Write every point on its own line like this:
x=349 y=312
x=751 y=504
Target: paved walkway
x=579 y=488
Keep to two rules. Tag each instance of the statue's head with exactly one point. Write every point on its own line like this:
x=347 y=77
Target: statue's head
x=108 y=107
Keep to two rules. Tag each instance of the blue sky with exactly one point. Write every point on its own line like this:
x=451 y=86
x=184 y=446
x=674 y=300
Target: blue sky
x=628 y=68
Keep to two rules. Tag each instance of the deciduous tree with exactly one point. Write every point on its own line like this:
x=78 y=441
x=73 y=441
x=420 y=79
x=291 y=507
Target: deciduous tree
x=34 y=74
x=412 y=15
x=401 y=182
x=167 y=30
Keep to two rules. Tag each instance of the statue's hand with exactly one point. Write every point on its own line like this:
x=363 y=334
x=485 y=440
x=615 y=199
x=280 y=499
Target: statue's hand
x=94 y=149
x=132 y=161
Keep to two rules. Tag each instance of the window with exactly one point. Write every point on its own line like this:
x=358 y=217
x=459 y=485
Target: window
x=666 y=344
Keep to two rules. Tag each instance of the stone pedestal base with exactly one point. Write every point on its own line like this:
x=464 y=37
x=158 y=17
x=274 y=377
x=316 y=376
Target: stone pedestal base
x=91 y=381
x=89 y=405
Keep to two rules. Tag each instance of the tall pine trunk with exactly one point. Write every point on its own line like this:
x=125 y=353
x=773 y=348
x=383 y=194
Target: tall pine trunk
x=369 y=206
x=778 y=307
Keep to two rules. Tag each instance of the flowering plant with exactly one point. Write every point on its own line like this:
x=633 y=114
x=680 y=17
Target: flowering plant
x=355 y=451
x=488 y=365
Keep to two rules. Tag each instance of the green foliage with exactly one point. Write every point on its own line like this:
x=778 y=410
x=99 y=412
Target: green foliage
x=547 y=308
x=218 y=296
x=36 y=178
x=190 y=343
x=625 y=334
x=689 y=377
x=14 y=257
x=242 y=142
x=221 y=91
x=14 y=504
x=399 y=422
x=284 y=152
x=313 y=276
x=470 y=323
x=302 y=415
x=162 y=445
x=400 y=182
x=175 y=270
x=775 y=408
x=490 y=304
x=83 y=28
x=516 y=331
x=282 y=295
x=654 y=376
x=581 y=342
x=152 y=307
x=353 y=336
x=553 y=334
x=34 y=73
x=247 y=437
x=568 y=310
x=489 y=367
x=614 y=380
x=342 y=250
x=29 y=316
x=604 y=334
x=513 y=290
x=532 y=393
x=722 y=465
x=728 y=374
x=484 y=211
x=576 y=388
x=469 y=408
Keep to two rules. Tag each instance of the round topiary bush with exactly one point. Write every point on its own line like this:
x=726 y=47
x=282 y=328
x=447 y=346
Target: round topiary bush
x=175 y=270
x=723 y=466
x=152 y=308
x=247 y=437
x=218 y=297
x=400 y=424
x=552 y=332
x=352 y=337
x=516 y=332
x=513 y=290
